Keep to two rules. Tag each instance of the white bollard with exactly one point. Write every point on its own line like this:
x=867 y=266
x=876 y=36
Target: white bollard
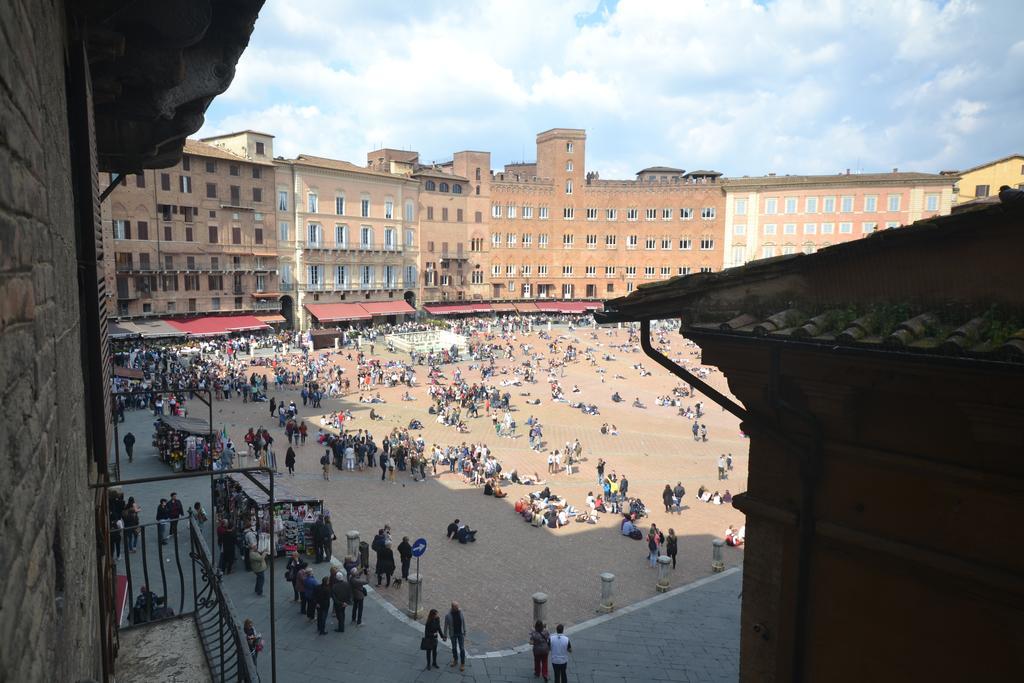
x=540 y=607
x=352 y=544
x=717 y=565
x=607 y=591
x=663 y=562
x=415 y=584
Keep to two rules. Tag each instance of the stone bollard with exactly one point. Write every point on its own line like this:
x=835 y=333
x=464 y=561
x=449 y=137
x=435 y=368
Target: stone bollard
x=717 y=565
x=540 y=607
x=352 y=544
x=415 y=583
x=607 y=586
x=663 y=562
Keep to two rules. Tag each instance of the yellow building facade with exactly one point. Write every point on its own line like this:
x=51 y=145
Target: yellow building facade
x=985 y=180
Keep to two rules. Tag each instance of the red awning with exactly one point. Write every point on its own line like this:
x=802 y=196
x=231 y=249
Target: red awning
x=213 y=325
x=270 y=318
x=548 y=306
x=333 y=313
x=575 y=306
x=503 y=308
x=127 y=373
x=526 y=307
x=387 y=307
x=455 y=309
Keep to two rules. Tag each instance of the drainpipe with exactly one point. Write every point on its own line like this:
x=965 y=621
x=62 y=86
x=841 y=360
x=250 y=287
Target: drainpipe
x=808 y=458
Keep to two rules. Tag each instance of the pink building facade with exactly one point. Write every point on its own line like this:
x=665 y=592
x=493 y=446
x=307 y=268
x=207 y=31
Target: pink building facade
x=775 y=215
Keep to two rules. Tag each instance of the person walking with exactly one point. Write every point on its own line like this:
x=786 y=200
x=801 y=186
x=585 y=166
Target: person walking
x=289 y=460
x=357 y=584
x=405 y=555
x=560 y=649
x=652 y=548
x=174 y=512
x=341 y=593
x=129 y=445
x=455 y=628
x=295 y=565
x=679 y=492
x=600 y=471
x=431 y=632
x=666 y=498
x=322 y=597
x=163 y=521
x=672 y=546
x=540 y=639
x=721 y=468
x=228 y=542
x=325 y=464
x=258 y=565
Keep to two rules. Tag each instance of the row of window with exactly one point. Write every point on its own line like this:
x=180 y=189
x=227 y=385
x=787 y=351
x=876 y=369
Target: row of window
x=315 y=236
x=869 y=204
x=123 y=231
x=313 y=205
x=124 y=261
x=455 y=188
x=190 y=283
x=815 y=228
x=611 y=241
x=526 y=270
x=316 y=276
x=186 y=165
x=592 y=213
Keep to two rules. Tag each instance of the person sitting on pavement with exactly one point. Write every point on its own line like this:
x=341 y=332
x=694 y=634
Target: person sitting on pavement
x=453 y=529
x=466 y=535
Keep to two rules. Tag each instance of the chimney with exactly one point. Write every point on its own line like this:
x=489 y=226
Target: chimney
x=847 y=171
x=895 y=170
x=771 y=174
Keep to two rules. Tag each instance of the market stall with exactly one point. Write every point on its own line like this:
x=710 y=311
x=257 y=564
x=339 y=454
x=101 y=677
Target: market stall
x=288 y=524
x=185 y=443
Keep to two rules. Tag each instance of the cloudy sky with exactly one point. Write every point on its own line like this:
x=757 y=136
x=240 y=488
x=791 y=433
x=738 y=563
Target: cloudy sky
x=744 y=87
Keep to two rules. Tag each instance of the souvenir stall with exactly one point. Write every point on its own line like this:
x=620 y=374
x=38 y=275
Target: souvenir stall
x=288 y=525
x=185 y=443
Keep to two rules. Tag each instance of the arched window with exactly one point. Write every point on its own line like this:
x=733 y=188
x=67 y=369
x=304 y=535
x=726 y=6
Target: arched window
x=478 y=173
x=456 y=188
x=444 y=187
x=431 y=186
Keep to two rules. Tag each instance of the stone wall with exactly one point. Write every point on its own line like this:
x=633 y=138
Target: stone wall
x=48 y=604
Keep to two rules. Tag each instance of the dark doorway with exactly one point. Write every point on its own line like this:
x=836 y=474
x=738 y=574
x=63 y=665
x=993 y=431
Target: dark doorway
x=410 y=298
x=287 y=310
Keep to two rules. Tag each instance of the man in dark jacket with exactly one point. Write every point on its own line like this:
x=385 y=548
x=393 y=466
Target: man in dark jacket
x=228 y=542
x=385 y=563
x=162 y=519
x=322 y=596
x=405 y=554
x=129 y=445
x=174 y=511
x=357 y=586
x=341 y=593
x=323 y=534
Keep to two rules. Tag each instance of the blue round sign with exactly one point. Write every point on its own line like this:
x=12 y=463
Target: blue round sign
x=419 y=547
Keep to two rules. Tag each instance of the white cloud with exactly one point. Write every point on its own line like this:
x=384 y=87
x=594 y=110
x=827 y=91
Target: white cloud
x=791 y=86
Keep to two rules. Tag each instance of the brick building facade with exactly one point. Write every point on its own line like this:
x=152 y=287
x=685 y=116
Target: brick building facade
x=198 y=237
x=557 y=231
x=325 y=231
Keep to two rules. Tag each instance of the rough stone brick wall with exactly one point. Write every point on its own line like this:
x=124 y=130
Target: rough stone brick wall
x=47 y=537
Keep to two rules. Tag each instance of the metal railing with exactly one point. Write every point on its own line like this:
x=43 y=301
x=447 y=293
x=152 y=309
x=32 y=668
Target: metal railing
x=224 y=644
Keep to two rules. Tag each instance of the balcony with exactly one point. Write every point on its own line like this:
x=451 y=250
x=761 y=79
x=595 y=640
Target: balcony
x=287 y=286
x=189 y=614
x=267 y=306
